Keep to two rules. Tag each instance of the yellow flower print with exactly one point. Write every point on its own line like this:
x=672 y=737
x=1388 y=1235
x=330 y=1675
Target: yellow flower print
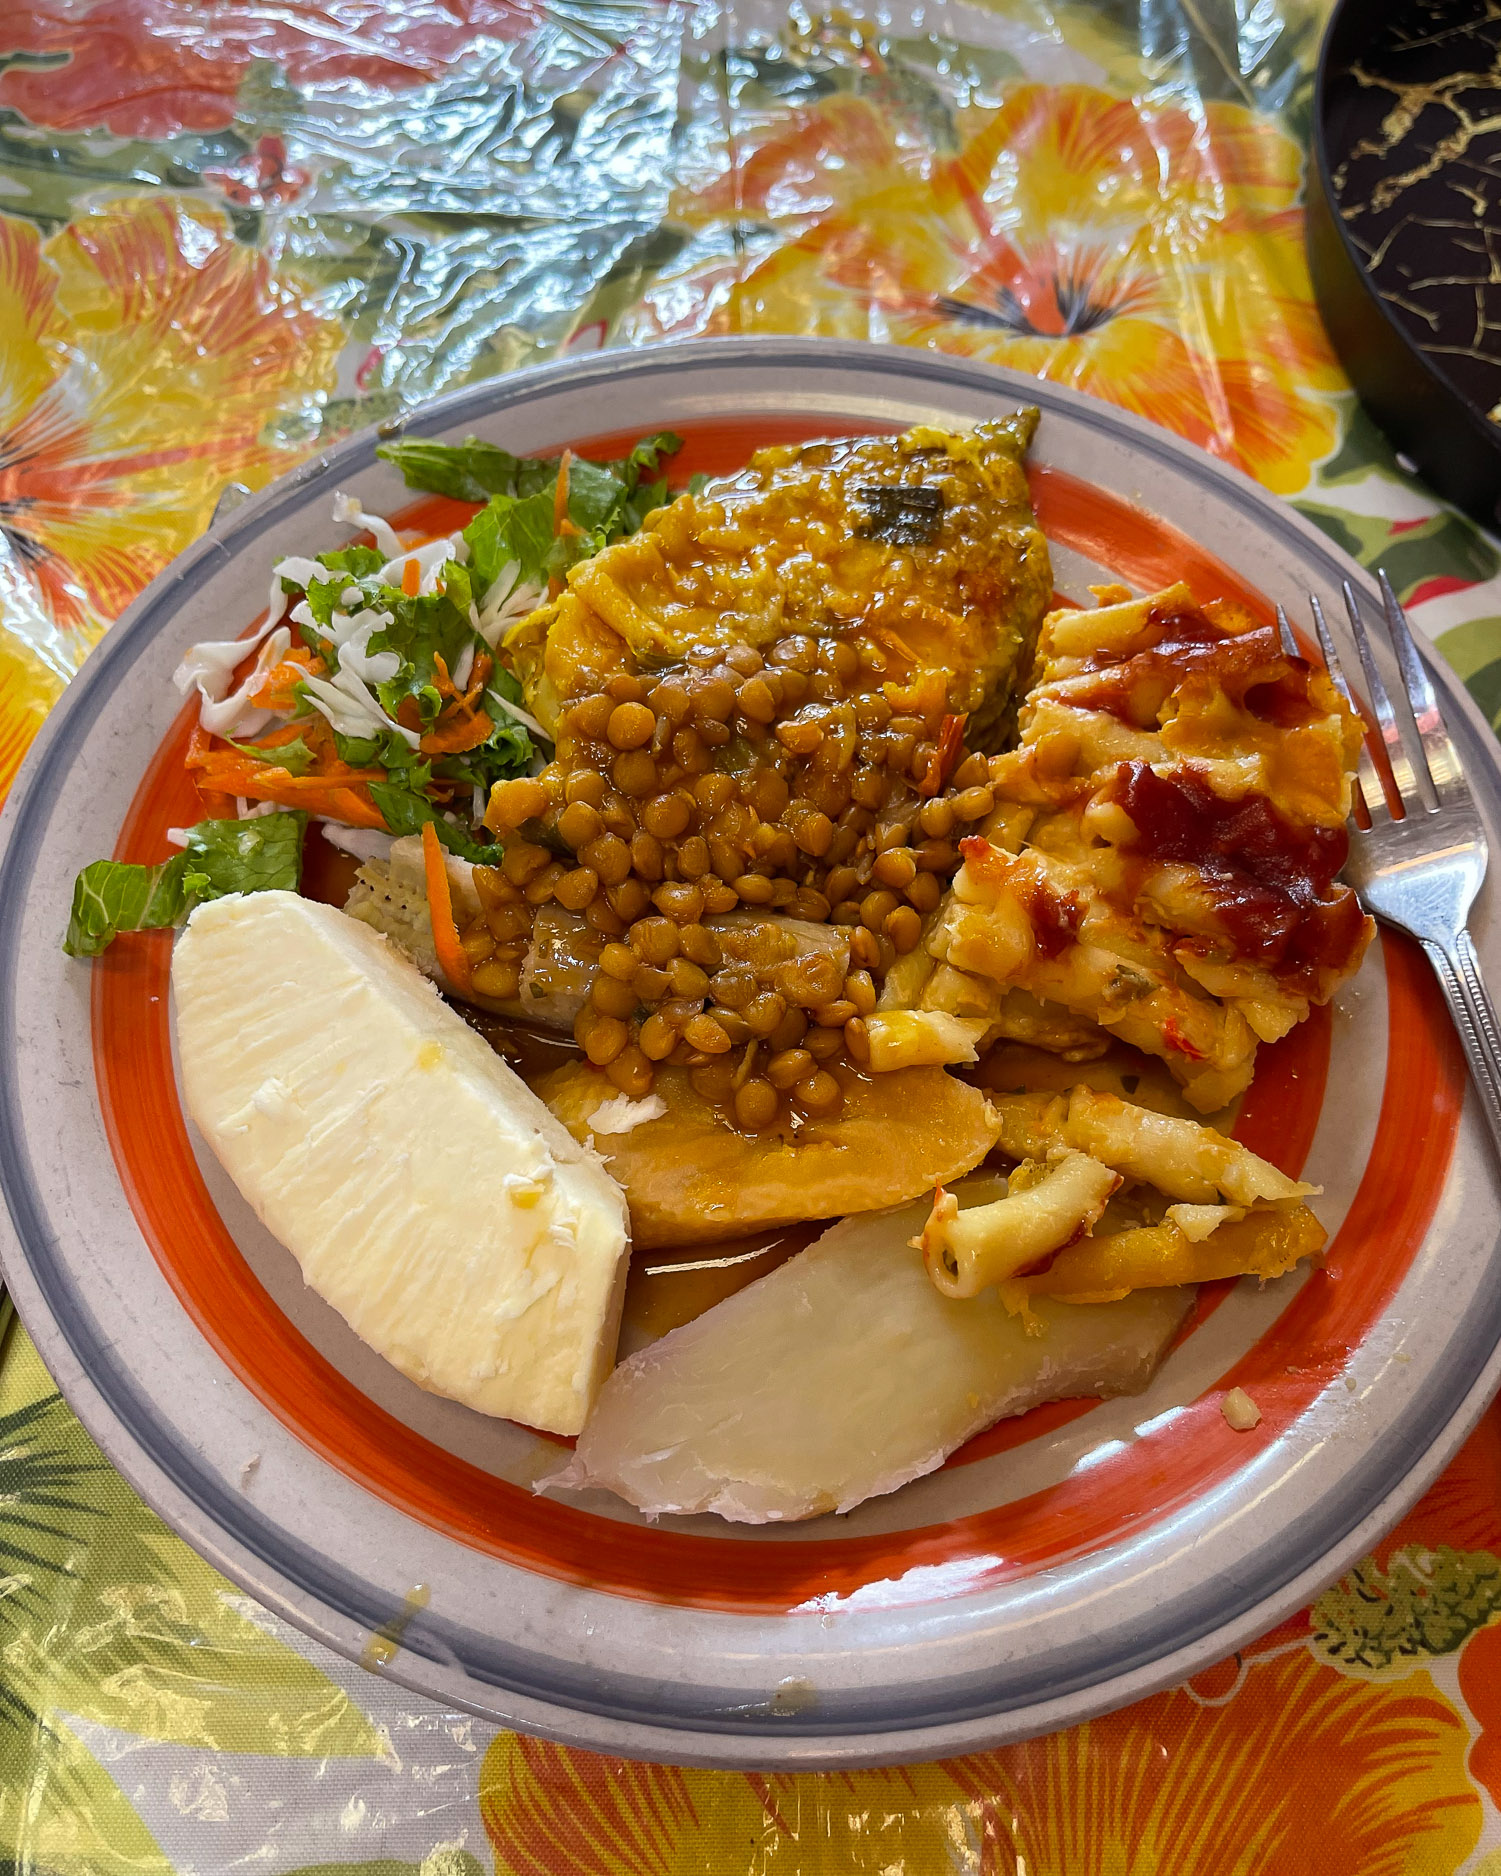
x=1297 y=1771
x=145 y=350
x=1132 y=250
x=550 y=1811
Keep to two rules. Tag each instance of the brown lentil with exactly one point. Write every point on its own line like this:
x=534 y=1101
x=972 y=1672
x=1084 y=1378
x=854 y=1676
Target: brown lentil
x=497 y=980
x=650 y=983
x=704 y=1033
x=630 y=725
x=756 y=1105
x=937 y=856
x=619 y=960
x=478 y=942
x=655 y=940
x=765 y=1013
x=586 y=785
x=579 y=823
x=687 y=979
x=896 y=867
x=680 y=902
x=521 y=861
x=631 y=1071
x=508 y=922
x=864 y=951
x=516 y=801
x=700 y=944
x=693 y=857
x=629 y=900
x=789 y=1032
x=713 y=1080
x=601 y=919
x=788 y=1067
x=658 y=1038
x=713 y=700
x=647 y=857
x=936 y=817
x=904 y=927
x=974 y=803
x=615 y=812
x=820 y=1093
x=925 y=892
x=876 y=908
x=666 y=816
x=541 y=886
x=734 y=1026
x=734 y=986
x=591 y=718
x=601 y=1037
x=860 y=989
x=634 y=773
x=609 y=856
x=576 y=888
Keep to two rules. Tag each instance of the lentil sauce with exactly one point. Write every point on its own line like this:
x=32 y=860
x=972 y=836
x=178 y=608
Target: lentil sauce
x=789 y=785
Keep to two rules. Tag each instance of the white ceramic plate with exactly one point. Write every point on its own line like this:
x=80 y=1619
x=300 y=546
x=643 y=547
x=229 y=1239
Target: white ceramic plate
x=1067 y=1563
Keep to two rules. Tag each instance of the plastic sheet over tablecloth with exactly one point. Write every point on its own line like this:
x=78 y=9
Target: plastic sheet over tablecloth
x=230 y=235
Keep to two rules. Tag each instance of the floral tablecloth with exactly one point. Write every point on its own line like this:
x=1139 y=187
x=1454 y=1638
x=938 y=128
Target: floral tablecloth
x=231 y=233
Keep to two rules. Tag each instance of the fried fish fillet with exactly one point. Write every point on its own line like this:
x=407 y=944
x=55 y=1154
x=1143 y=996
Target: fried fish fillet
x=1161 y=862
x=923 y=545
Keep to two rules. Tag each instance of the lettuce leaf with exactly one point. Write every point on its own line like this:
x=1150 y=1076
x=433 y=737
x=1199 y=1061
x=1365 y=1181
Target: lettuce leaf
x=111 y=896
x=360 y=563
x=422 y=629
x=511 y=530
x=473 y=471
x=507 y=750
x=605 y=500
x=470 y=471
x=407 y=813
x=295 y=756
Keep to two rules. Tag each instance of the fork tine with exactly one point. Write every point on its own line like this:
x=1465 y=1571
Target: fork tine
x=1285 y=633
x=1442 y=762
x=1368 y=783
x=1386 y=718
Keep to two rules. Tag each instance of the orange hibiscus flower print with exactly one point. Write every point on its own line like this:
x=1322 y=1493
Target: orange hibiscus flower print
x=1131 y=250
x=1295 y=1771
x=145 y=351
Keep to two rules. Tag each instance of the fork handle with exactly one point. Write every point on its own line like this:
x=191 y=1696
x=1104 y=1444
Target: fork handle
x=1458 y=971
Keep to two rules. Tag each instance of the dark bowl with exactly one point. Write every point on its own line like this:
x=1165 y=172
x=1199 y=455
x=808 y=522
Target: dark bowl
x=1404 y=230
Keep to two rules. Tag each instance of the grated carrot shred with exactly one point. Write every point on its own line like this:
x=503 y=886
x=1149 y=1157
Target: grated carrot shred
x=277 y=690
x=451 y=954
x=336 y=790
x=411 y=577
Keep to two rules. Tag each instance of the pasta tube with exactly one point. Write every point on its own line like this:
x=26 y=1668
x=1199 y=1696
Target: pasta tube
x=966 y=1251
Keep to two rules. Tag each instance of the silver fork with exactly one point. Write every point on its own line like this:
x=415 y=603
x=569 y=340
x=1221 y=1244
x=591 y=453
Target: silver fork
x=1420 y=873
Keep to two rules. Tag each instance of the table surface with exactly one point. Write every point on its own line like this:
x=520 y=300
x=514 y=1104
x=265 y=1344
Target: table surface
x=228 y=235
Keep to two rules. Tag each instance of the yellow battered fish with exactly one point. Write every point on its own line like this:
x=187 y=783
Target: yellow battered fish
x=922 y=546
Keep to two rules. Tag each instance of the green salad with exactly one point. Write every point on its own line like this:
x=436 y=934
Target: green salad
x=378 y=700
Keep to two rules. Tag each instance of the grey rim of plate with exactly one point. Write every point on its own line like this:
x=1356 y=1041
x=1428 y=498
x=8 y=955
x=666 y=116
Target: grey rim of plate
x=891 y=1681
